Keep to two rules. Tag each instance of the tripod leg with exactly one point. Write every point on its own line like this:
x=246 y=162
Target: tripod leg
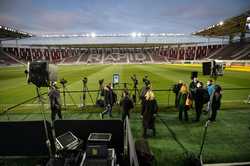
x=84 y=97
x=64 y=98
x=44 y=120
x=90 y=95
x=71 y=97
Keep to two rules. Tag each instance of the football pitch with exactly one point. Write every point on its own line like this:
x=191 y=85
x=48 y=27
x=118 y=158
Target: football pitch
x=228 y=138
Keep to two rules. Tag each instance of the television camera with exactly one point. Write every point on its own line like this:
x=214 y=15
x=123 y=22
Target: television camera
x=213 y=68
x=63 y=81
x=40 y=73
x=85 y=80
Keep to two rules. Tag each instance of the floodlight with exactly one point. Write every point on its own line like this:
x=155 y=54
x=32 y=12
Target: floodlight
x=133 y=34
x=93 y=34
x=139 y=34
x=221 y=23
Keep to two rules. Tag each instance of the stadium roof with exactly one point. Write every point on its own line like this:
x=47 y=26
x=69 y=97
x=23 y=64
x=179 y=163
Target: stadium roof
x=122 y=41
x=7 y=33
x=231 y=26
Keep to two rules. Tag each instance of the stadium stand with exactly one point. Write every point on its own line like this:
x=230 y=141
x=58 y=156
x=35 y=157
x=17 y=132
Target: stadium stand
x=157 y=54
x=5 y=59
x=234 y=51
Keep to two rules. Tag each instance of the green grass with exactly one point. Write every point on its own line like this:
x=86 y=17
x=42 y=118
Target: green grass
x=228 y=138
x=14 y=89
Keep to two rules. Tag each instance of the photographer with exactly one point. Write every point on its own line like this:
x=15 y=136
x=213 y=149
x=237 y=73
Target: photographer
x=127 y=104
x=54 y=97
x=109 y=100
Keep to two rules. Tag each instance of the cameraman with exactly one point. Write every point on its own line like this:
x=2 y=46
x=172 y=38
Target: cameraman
x=55 y=106
x=127 y=104
x=109 y=100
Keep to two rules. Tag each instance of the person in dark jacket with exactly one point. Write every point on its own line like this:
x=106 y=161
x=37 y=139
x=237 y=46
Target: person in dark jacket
x=182 y=97
x=176 y=90
x=193 y=85
x=215 y=102
x=143 y=98
x=108 y=100
x=198 y=99
x=55 y=105
x=149 y=113
x=126 y=104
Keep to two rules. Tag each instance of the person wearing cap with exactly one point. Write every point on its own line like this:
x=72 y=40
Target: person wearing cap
x=149 y=113
x=55 y=104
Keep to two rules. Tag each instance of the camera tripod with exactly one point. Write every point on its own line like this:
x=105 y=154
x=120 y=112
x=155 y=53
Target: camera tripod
x=85 y=90
x=65 y=90
x=99 y=93
x=40 y=100
x=136 y=93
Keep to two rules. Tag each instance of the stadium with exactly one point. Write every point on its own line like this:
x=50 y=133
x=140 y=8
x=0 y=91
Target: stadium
x=82 y=63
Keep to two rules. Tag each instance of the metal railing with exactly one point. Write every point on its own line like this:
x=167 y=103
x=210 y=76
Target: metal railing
x=164 y=97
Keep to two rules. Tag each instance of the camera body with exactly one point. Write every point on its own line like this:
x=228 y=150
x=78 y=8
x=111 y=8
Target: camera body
x=85 y=80
x=101 y=81
x=38 y=73
x=63 y=81
x=213 y=68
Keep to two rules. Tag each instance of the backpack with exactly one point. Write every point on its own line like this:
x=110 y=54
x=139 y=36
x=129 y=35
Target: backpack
x=206 y=96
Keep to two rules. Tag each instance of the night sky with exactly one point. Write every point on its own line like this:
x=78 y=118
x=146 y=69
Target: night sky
x=117 y=16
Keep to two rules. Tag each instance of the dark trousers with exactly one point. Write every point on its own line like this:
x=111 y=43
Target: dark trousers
x=55 y=112
x=124 y=114
x=176 y=100
x=198 y=109
x=108 y=109
x=185 y=110
x=145 y=132
x=213 y=116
